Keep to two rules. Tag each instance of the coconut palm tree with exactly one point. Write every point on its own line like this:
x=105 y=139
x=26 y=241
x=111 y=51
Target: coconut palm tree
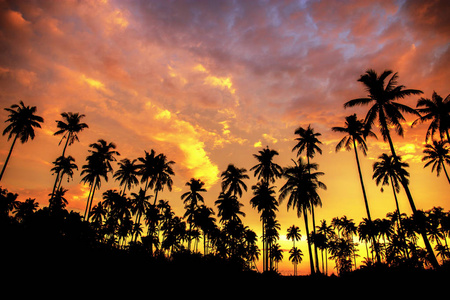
x=146 y=168
x=265 y=168
x=436 y=110
x=139 y=205
x=69 y=127
x=127 y=174
x=266 y=204
x=296 y=257
x=232 y=180
x=191 y=199
x=63 y=165
x=308 y=142
x=22 y=121
x=229 y=208
x=382 y=96
x=99 y=165
x=389 y=170
x=293 y=233
x=162 y=174
x=301 y=190
x=437 y=156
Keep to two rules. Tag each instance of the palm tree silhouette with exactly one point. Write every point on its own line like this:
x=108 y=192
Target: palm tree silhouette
x=99 y=165
x=438 y=111
x=190 y=200
x=265 y=168
x=437 y=156
x=356 y=133
x=389 y=114
x=296 y=256
x=69 y=128
x=229 y=208
x=139 y=205
x=22 y=121
x=326 y=233
x=301 y=189
x=63 y=165
x=232 y=180
x=127 y=174
x=293 y=233
x=308 y=142
x=162 y=174
x=264 y=200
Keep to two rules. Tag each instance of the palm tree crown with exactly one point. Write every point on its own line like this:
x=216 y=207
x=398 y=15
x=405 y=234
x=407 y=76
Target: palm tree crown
x=437 y=156
x=307 y=141
x=266 y=169
x=69 y=127
x=233 y=180
x=356 y=134
x=436 y=110
x=390 y=168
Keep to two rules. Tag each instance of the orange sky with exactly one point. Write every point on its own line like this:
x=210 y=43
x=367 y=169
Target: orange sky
x=210 y=83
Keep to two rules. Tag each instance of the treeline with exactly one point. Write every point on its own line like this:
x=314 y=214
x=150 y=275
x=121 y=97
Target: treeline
x=123 y=216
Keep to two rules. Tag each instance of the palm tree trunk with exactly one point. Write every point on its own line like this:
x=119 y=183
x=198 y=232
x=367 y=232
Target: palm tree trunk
x=7 y=158
x=311 y=262
x=431 y=255
x=87 y=201
x=445 y=171
x=366 y=202
x=314 y=229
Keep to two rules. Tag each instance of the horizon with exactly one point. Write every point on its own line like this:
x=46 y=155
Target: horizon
x=212 y=83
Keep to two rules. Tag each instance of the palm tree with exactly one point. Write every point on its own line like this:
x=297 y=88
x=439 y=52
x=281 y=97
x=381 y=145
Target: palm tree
x=327 y=233
x=127 y=174
x=25 y=209
x=162 y=174
x=308 y=142
x=146 y=168
x=63 y=165
x=295 y=255
x=301 y=187
x=99 y=165
x=437 y=155
x=438 y=111
x=266 y=169
x=139 y=205
x=356 y=133
x=266 y=204
x=191 y=199
x=22 y=121
x=229 y=208
x=388 y=169
x=69 y=128
x=293 y=233
x=389 y=113
x=232 y=180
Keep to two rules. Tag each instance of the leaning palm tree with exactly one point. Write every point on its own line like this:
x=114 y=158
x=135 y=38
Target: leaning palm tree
x=436 y=110
x=308 y=142
x=382 y=96
x=356 y=134
x=268 y=170
x=63 y=165
x=22 y=121
x=437 y=155
x=233 y=180
x=301 y=190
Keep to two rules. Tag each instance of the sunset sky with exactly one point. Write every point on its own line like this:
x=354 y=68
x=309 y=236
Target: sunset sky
x=210 y=83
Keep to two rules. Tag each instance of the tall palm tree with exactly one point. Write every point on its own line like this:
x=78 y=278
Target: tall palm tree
x=356 y=134
x=293 y=233
x=162 y=174
x=383 y=98
x=266 y=204
x=22 y=121
x=191 y=199
x=296 y=256
x=389 y=170
x=437 y=155
x=146 y=168
x=233 y=180
x=139 y=205
x=308 y=142
x=63 y=165
x=127 y=174
x=69 y=127
x=229 y=208
x=436 y=110
x=99 y=165
x=301 y=189
x=268 y=170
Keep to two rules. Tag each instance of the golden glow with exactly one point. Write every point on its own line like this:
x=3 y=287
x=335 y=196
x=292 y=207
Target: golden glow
x=223 y=82
x=165 y=114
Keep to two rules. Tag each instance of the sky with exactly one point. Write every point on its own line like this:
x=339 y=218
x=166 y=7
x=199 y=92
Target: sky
x=209 y=83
